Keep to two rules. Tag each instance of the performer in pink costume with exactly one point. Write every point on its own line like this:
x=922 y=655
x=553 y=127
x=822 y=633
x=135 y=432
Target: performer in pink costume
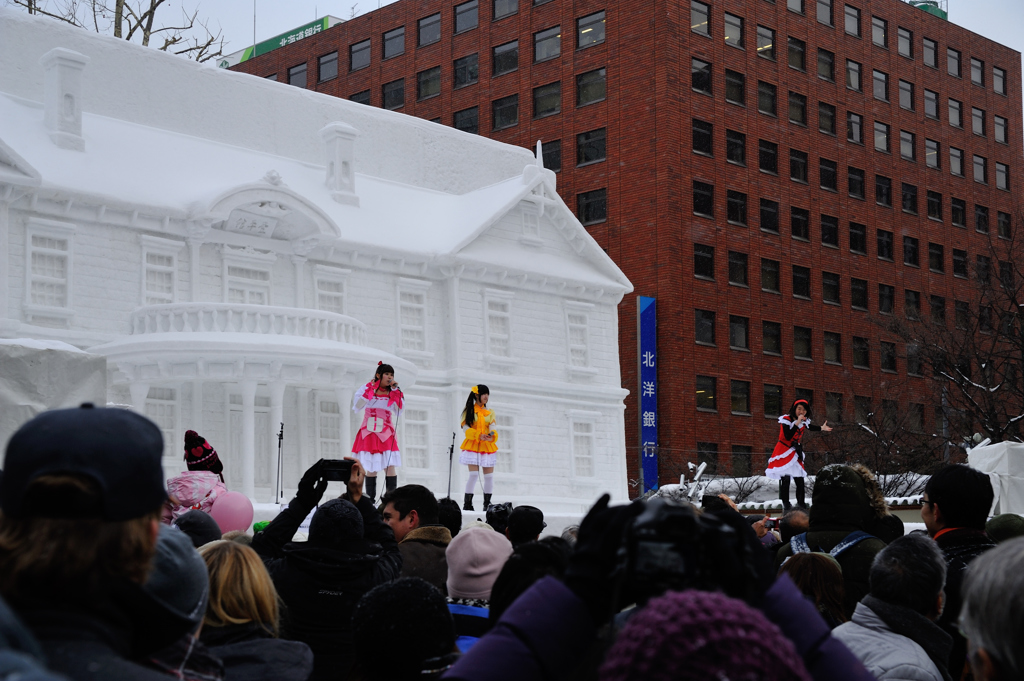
x=376 y=446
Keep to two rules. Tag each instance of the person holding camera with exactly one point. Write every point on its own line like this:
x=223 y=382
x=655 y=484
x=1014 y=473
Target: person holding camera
x=350 y=550
x=480 y=444
x=376 y=447
x=787 y=461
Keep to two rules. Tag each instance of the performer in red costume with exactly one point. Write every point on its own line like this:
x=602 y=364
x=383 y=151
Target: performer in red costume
x=787 y=461
x=376 y=447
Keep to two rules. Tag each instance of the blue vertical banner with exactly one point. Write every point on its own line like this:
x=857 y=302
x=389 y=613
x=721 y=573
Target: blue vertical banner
x=647 y=359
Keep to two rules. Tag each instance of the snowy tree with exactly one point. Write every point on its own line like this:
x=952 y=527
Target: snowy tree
x=976 y=357
x=188 y=36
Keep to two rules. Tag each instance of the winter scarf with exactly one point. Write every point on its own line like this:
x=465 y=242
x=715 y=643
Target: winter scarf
x=918 y=628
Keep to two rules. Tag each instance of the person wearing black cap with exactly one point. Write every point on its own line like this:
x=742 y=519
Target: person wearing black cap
x=525 y=524
x=80 y=501
x=787 y=460
x=350 y=551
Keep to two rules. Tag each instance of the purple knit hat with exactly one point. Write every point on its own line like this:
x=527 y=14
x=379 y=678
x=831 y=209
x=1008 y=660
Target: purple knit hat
x=699 y=635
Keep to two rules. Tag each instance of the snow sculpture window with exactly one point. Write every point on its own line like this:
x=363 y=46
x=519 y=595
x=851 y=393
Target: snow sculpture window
x=531 y=223
x=579 y=345
x=330 y=296
x=505 y=426
x=160 y=269
x=162 y=409
x=328 y=429
x=583 y=448
x=416 y=438
x=49 y=253
x=249 y=286
x=498 y=323
x=413 y=315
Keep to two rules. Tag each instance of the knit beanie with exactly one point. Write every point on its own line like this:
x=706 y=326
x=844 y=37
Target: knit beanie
x=411 y=612
x=179 y=579
x=335 y=523
x=840 y=500
x=200 y=527
x=199 y=455
x=475 y=558
x=1005 y=526
x=701 y=636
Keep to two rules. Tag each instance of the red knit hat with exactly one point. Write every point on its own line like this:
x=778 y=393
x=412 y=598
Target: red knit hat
x=699 y=635
x=199 y=455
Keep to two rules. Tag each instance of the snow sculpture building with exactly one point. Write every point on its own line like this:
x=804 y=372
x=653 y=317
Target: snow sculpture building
x=243 y=253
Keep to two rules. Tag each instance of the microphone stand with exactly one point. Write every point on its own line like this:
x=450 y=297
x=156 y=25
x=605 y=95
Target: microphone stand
x=451 y=455
x=280 y=465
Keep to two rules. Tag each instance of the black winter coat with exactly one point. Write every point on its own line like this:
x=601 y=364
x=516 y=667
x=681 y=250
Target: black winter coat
x=250 y=653
x=320 y=586
x=959 y=547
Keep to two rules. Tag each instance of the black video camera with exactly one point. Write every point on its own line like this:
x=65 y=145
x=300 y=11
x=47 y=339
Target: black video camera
x=670 y=547
x=339 y=470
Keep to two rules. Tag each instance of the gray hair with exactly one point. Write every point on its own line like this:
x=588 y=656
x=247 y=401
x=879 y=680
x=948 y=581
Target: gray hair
x=909 y=572
x=992 y=616
x=569 y=535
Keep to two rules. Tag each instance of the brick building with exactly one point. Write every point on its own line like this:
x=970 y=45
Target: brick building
x=777 y=173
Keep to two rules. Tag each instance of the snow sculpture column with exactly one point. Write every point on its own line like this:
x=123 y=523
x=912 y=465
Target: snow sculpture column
x=248 y=438
x=302 y=419
x=345 y=393
x=139 y=393
x=339 y=145
x=299 y=262
x=62 y=94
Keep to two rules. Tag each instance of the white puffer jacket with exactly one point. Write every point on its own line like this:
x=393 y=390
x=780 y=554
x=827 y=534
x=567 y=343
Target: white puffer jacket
x=886 y=654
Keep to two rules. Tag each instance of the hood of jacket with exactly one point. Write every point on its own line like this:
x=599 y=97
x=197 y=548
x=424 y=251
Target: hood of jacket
x=332 y=564
x=840 y=500
x=429 y=534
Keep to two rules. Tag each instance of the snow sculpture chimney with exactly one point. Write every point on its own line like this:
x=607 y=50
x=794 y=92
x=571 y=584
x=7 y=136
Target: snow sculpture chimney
x=339 y=144
x=62 y=97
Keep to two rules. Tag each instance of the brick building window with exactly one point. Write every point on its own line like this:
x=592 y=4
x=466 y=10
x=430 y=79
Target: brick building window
x=771 y=338
x=853 y=80
x=703 y=137
x=740 y=394
x=297 y=75
x=467 y=16
x=824 y=12
x=704 y=322
x=768 y=156
x=770 y=275
x=505 y=8
x=828 y=175
x=551 y=153
x=854 y=128
x=826 y=118
x=879 y=31
x=769 y=216
x=883 y=191
x=700 y=14
x=801 y=282
x=800 y=223
x=886 y=298
x=932 y=154
x=911 y=251
x=798 y=165
x=590 y=147
x=999 y=80
x=977 y=71
x=937 y=308
x=1003 y=225
x=959 y=263
x=912 y=304
x=772 y=400
x=736 y=147
x=981 y=219
x=590 y=30
x=739 y=333
x=930 y=49
x=1002 y=176
x=706 y=388
x=978 y=121
x=956 y=115
x=704 y=261
x=858 y=238
x=887 y=356
x=465 y=71
x=826 y=65
x=394 y=43
x=833 y=348
x=766 y=42
x=851 y=20
x=956 y=161
x=700 y=76
x=795 y=6
x=883 y=242
x=830 y=287
x=880 y=85
x=830 y=231
x=328 y=67
x=905 y=42
x=908 y=198
x=707 y=452
x=547 y=44
x=797 y=108
x=906 y=95
x=593 y=206
x=394 y=94
x=547 y=99
x=882 y=137
x=736 y=206
x=737 y=268
x=505 y=58
x=429 y=30
x=741 y=465
x=505 y=112
x=736 y=88
x=861 y=353
x=934 y=205
x=797 y=50
x=937 y=258
x=359 y=55
x=590 y=87
x=767 y=98
x=980 y=169
x=703 y=199
x=734 y=30
x=931 y=104
x=361 y=97
x=999 y=126
x=953 y=62
x=428 y=83
x=802 y=342
x=855 y=180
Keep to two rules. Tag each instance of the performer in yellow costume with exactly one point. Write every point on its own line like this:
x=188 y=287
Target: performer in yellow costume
x=480 y=445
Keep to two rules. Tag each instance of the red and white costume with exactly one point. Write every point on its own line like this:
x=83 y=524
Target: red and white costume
x=376 y=447
x=787 y=459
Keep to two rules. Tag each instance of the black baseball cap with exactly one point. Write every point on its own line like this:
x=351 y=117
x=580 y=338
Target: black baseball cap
x=526 y=521
x=118 y=449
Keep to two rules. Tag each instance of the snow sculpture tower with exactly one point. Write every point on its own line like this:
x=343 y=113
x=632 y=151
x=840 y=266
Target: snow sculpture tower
x=62 y=101
x=339 y=144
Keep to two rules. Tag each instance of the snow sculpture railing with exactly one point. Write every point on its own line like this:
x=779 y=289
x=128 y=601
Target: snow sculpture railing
x=239 y=318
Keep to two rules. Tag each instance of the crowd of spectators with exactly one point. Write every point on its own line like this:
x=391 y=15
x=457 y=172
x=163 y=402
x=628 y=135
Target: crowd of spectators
x=104 y=575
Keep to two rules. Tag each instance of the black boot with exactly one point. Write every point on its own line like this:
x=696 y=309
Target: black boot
x=784 y=493
x=487 y=501
x=371 y=488
x=800 y=494
x=468 y=505
x=390 y=483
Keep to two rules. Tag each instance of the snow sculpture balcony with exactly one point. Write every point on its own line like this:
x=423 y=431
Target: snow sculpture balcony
x=247 y=319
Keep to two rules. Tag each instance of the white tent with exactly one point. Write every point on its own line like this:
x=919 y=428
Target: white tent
x=1004 y=464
